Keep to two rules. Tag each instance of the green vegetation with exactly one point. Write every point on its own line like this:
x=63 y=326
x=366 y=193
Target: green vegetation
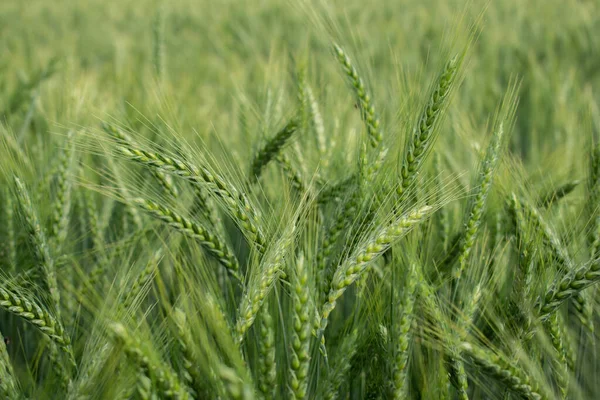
x=299 y=200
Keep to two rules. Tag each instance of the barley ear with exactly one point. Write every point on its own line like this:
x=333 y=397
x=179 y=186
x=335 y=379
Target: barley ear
x=143 y=279
x=557 y=193
x=594 y=196
x=560 y=363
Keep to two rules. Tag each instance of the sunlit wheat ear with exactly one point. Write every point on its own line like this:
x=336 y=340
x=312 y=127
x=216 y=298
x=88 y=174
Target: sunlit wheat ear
x=211 y=242
x=425 y=133
x=271 y=149
x=351 y=269
x=38 y=242
x=364 y=100
x=164 y=377
x=237 y=203
x=316 y=121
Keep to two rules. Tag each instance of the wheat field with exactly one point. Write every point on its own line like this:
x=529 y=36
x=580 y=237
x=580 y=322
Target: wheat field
x=299 y=199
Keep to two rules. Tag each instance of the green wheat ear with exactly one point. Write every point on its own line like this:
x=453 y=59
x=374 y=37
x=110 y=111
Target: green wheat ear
x=267 y=379
x=8 y=384
x=38 y=241
x=364 y=100
x=354 y=266
x=212 y=243
x=164 y=377
x=426 y=131
x=567 y=286
x=501 y=369
x=272 y=149
x=62 y=203
x=402 y=333
x=301 y=334
x=236 y=202
x=477 y=208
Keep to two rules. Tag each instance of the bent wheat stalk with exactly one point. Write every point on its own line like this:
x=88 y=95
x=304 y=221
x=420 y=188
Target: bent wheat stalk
x=211 y=242
x=353 y=267
x=237 y=203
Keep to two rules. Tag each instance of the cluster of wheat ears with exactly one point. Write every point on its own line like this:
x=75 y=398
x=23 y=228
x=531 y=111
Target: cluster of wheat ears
x=156 y=272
